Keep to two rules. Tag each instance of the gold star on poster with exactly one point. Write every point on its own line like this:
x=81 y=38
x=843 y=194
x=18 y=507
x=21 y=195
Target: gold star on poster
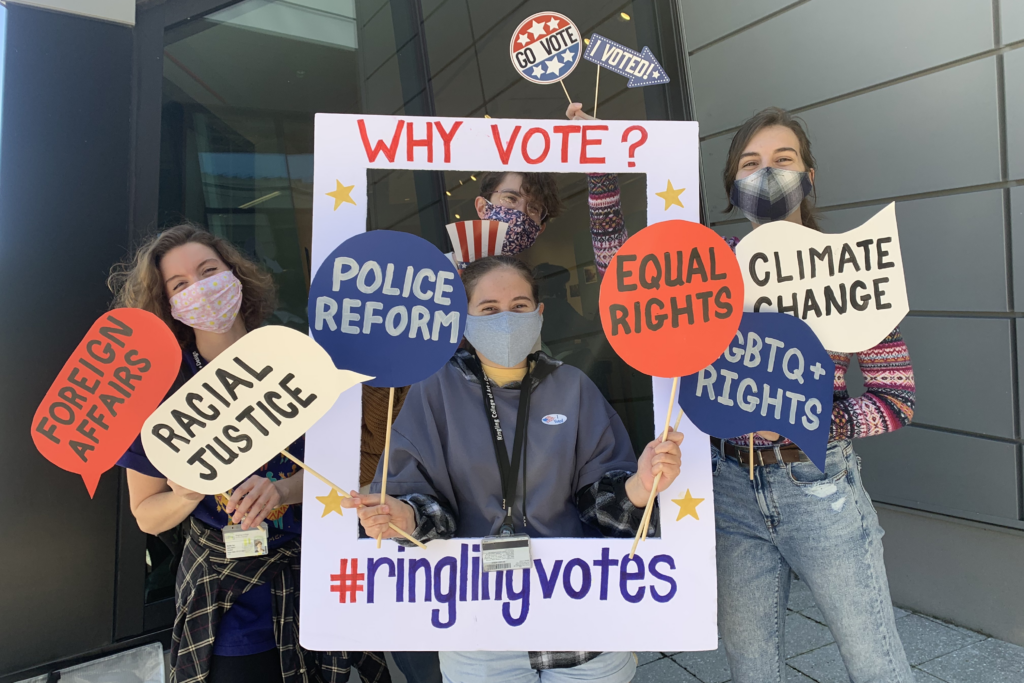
x=687 y=505
x=671 y=195
x=342 y=194
x=332 y=503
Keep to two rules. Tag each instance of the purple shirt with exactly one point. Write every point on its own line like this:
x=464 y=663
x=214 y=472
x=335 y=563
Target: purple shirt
x=247 y=628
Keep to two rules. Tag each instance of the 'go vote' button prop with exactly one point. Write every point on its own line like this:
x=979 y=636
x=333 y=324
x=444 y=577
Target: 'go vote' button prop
x=390 y=305
x=119 y=373
x=672 y=298
x=250 y=403
x=777 y=377
x=545 y=47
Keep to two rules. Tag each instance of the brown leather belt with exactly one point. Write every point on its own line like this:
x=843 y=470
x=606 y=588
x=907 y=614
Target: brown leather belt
x=789 y=453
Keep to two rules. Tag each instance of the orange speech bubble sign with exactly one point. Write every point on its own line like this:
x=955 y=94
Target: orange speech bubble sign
x=117 y=376
x=672 y=299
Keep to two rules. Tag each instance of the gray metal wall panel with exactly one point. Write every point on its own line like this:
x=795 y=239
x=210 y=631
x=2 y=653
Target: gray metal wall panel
x=853 y=46
x=712 y=158
x=1011 y=20
x=959 y=571
x=705 y=21
x=1017 y=239
x=909 y=138
x=942 y=142
x=962 y=369
x=954 y=473
x=965 y=229
x=1019 y=323
x=1014 y=74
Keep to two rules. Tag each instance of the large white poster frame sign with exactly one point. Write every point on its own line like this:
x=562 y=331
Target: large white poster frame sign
x=581 y=593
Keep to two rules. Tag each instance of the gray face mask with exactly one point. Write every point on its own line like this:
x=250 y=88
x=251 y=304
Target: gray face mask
x=504 y=338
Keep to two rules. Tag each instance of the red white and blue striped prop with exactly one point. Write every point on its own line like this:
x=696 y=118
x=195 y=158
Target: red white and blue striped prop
x=474 y=240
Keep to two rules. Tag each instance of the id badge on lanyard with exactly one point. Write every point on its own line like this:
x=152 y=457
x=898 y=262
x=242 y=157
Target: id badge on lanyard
x=239 y=543
x=249 y=543
x=508 y=550
x=504 y=553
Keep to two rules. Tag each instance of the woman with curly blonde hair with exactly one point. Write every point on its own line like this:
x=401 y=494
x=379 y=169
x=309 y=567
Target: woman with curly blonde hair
x=236 y=620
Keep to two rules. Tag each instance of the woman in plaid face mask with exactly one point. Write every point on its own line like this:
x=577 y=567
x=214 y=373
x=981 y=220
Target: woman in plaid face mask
x=820 y=525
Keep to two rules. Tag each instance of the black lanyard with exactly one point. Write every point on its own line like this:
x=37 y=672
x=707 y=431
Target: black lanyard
x=509 y=472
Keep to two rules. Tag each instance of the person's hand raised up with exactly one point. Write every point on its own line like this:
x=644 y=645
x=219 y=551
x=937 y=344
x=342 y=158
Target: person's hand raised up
x=575 y=113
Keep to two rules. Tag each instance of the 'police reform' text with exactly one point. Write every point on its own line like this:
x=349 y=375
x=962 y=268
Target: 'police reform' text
x=424 y=284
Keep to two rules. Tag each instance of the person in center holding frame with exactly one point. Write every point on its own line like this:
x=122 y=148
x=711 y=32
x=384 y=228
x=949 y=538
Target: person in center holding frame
x=821 y=525
x=565 y=464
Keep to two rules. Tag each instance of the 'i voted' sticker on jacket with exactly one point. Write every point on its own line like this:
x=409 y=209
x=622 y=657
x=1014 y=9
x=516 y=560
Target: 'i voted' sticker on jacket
x=553 y=419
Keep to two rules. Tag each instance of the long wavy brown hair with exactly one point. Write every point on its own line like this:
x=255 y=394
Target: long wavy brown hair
x=137 y=283
x=772 y=116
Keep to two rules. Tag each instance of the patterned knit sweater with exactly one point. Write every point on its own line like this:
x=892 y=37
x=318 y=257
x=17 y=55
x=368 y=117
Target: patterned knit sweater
x=607 y=227
x=888 y=400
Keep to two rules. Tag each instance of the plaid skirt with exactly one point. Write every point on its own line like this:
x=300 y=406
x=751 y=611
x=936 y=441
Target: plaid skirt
x=206 y=587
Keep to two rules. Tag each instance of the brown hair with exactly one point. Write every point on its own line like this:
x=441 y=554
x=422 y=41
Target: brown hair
x=137 y=282
x=772 y=116
x=477 y=269
x=539 y=187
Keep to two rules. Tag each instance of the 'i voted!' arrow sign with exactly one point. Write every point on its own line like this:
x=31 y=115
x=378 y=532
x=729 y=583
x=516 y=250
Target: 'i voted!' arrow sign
x=641 y=68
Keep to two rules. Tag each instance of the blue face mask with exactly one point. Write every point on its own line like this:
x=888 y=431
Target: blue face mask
x=504 y=338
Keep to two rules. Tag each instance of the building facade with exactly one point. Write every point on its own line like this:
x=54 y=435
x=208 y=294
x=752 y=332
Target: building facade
x=202 y=111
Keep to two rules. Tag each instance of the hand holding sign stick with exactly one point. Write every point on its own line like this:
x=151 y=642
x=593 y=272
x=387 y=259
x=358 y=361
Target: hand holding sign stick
x=422 y=306
x=644 y=526
x=669 y=305
x=645 y=522
x=343 y=494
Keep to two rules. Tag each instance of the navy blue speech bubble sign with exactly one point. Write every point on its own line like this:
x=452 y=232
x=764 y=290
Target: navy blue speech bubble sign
x=775 y=376
x=390 y=305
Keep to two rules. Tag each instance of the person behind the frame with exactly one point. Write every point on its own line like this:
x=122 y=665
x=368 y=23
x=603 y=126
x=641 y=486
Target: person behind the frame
x=449 y=477
x=236 y=620
x=820 y=524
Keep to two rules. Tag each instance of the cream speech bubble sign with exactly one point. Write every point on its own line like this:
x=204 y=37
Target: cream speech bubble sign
x=849 y=288
x=245 y=407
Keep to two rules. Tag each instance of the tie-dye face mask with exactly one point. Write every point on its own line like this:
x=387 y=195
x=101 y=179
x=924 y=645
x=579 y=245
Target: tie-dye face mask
x=210 y=305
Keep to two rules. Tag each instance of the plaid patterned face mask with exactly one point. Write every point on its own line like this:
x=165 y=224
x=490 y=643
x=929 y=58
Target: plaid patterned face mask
x=770 y=194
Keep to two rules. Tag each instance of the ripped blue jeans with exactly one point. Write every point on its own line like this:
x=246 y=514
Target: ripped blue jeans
x=824 y=527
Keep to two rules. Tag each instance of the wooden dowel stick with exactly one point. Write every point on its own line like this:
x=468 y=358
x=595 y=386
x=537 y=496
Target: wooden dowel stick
x=340 y=490
x=562 y=83
x=644 y=523
x=675 y=427
x=387 y=453
x=597 y=84
x=750 y=456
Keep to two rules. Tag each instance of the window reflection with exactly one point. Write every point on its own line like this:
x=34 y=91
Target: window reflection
x=242 y=85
